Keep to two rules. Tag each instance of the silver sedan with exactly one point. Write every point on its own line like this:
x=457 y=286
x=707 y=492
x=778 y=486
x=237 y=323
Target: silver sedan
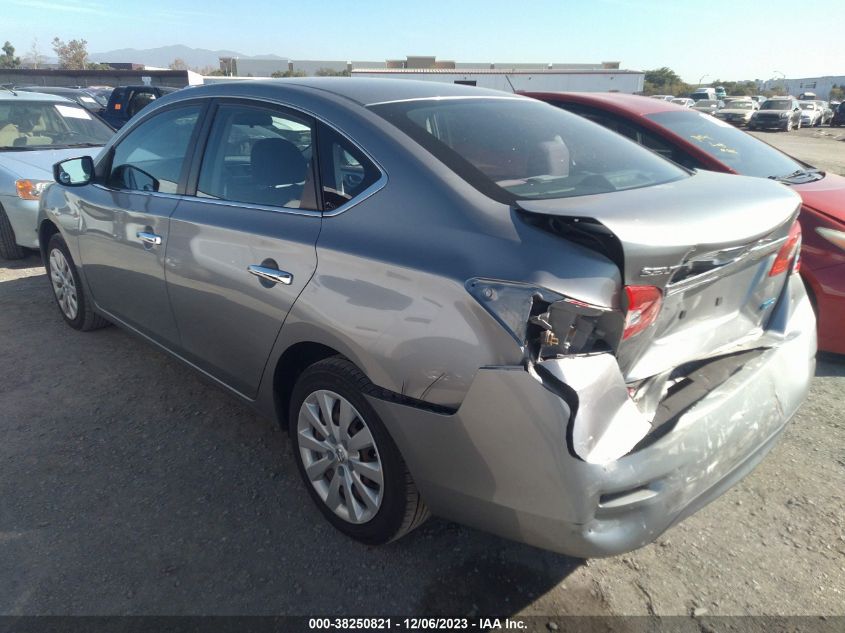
x=458 y=301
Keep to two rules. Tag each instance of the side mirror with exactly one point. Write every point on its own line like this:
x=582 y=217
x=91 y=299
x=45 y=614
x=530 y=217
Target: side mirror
x=74 y=172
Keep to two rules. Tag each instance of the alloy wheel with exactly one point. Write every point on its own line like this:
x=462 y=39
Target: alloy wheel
x=64 y=285
x=340 y=456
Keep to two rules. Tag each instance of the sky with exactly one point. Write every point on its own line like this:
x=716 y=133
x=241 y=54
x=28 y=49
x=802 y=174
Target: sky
x=719 y=39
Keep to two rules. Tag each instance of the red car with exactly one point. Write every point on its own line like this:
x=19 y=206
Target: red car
x=699 y=141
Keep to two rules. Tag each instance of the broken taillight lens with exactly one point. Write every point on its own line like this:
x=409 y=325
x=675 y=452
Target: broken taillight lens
x=546 y=323
x=790 y=250
x=644 y=304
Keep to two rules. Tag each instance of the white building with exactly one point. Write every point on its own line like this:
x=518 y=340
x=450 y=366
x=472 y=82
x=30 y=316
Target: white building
x=820 y=85
x=513 y=79
x=507 y=76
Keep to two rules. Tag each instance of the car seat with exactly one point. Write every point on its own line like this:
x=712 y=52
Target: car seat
x=277 y=176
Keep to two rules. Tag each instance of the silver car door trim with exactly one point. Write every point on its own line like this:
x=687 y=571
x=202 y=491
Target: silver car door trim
x=374 y=188
x=273 y=275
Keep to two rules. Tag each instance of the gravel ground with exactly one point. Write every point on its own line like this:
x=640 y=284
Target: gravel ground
x=128 y=485
x=822 y=147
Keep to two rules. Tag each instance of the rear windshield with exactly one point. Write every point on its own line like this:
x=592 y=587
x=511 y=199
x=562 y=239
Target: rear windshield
x=513 y=149
x=740 y=151
x=33 y=125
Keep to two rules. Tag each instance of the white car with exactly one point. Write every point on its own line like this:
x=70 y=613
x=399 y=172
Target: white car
x=811 y=113
x=737 y=111
x=684 y=103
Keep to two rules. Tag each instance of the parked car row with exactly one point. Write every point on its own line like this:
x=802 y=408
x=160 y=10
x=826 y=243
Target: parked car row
x=541 y=315
x=742 y=111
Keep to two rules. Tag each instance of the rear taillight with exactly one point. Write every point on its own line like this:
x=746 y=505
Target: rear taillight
x=644 y=304
x=788 y=252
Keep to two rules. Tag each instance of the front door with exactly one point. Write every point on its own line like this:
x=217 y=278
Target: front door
x=125 y=223
x=244 y=247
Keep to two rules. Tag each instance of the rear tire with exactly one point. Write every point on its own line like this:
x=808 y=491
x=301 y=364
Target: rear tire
x=9 y=248
x=69 y=292
x=329 y=415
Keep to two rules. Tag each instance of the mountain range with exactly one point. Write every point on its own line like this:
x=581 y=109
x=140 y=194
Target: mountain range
x=163 y=56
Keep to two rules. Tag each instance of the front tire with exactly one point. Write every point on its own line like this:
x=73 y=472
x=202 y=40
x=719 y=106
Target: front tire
x=68 y=291
x=9 y=248
x=347 y=459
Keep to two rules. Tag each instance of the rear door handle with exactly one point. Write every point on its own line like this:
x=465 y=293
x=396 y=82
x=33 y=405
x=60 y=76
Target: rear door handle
x=273 y=275
x=149 y=238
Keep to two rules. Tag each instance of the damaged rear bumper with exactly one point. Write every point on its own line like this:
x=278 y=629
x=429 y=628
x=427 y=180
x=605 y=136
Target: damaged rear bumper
x=504 y=462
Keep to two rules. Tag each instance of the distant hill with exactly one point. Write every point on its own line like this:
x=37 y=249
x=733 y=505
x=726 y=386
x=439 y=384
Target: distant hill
x=164 y=56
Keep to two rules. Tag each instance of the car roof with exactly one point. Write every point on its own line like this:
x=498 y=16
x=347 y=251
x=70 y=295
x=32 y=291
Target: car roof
x=23 y=95
x=630 y=103
x=50 y=89
x=365 y=91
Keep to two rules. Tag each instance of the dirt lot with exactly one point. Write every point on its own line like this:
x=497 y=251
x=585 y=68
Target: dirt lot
x=130 y=486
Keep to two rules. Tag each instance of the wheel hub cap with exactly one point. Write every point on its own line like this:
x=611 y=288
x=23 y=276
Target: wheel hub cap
x=64 y=286
x=340 y=456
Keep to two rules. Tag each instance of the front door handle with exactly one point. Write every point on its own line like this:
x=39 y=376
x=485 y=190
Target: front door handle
x=149 y=238
x=273 y=275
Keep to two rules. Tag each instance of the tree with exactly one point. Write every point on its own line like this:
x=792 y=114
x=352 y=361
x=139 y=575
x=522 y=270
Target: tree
x=288 y=73
x=178 y=64
x=35 y=56
x=8 y=59
x=331 y=72
x=72 y=54
x=665 y=81
x=837 y=93
x=662 y=77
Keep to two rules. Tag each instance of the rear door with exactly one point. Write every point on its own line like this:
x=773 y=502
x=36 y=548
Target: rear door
x=124 y=224
x=243 y=247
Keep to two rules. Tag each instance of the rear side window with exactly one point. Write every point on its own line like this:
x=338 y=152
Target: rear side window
x=636 y=133
x=345 y=172
x=152 y=156
x=259 y=156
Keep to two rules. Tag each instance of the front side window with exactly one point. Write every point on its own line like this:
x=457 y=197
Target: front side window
x=152 y=156
x=512 y=148
x=345 y=172
x=259 y=156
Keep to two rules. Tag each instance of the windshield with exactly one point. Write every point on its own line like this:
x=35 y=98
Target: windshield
x=513 y=149
x=740 y=151
x=807 y=106
x=740 y=105
x=706 y=103
x=679 y=101
x=779 y=104
x=33 y=125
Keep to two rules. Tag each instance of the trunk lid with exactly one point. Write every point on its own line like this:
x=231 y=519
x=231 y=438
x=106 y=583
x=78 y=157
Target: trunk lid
x=707 y=242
